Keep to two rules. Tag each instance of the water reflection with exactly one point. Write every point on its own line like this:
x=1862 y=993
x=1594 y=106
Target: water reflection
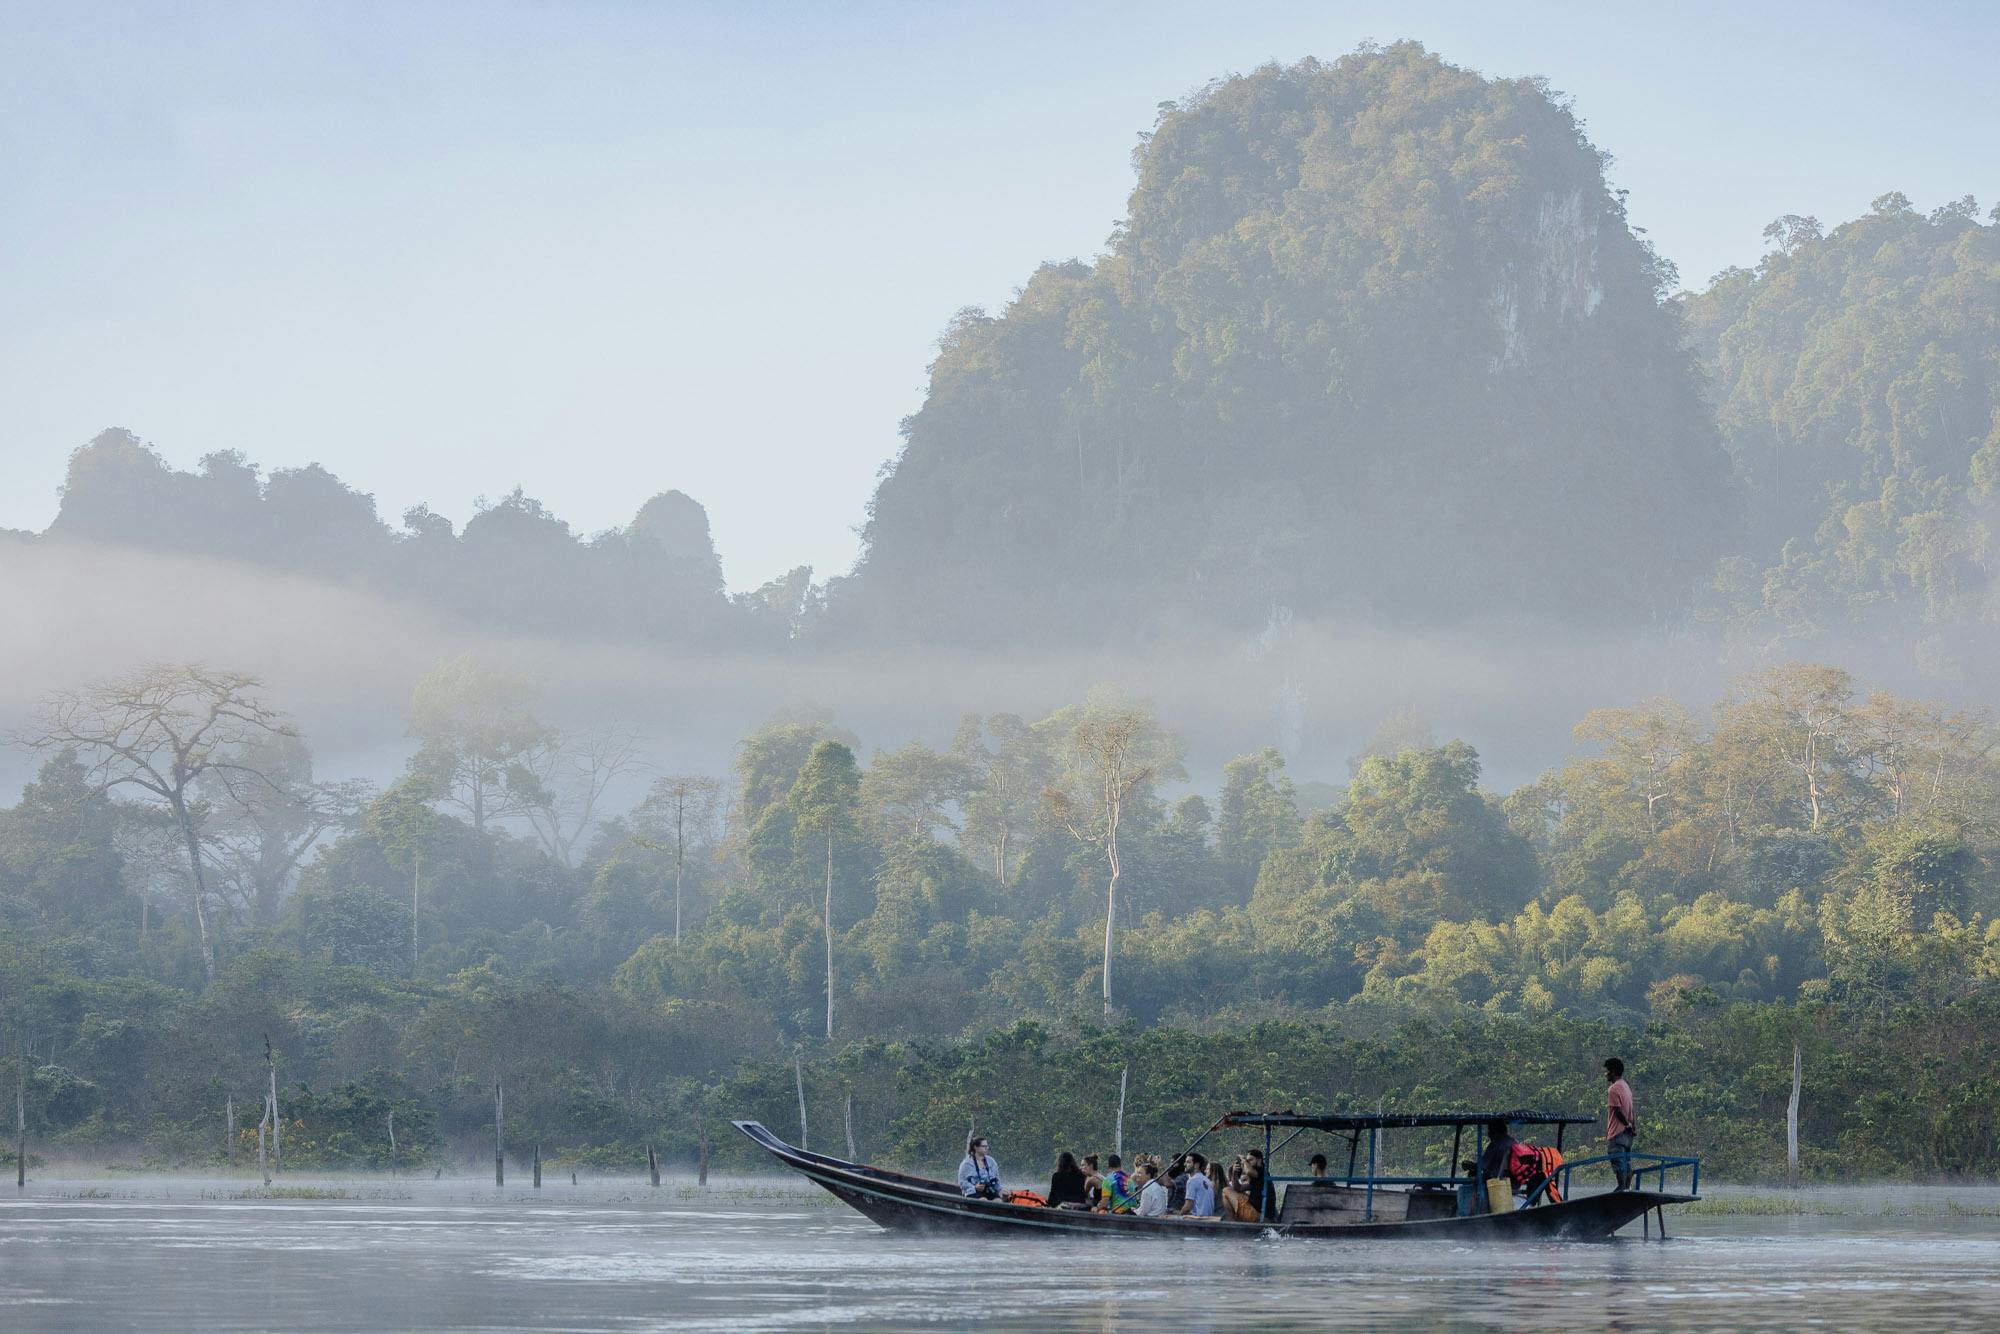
x=189 y=1256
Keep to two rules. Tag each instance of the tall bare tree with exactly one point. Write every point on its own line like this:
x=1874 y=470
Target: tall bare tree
x=825 y=800
x=178 y=733
x=571 y=776
x=679 y=812
x=1113 y=752
x=258 y=841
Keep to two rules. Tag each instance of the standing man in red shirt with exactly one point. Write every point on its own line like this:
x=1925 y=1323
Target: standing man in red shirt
x=1618 y=1122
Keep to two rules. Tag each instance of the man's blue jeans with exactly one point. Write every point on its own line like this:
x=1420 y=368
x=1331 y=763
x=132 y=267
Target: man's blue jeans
x=1618 y=1146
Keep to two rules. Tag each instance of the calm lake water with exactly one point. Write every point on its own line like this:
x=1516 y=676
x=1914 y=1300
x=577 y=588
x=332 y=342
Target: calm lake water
x=185 y=1255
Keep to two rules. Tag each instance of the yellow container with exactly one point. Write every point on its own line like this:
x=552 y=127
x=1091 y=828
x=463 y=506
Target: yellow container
x=1499 y=1195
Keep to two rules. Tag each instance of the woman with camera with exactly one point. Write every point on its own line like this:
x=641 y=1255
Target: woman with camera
x=979 y=1174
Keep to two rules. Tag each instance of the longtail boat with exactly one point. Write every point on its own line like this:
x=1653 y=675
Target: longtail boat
x=1362 y=1202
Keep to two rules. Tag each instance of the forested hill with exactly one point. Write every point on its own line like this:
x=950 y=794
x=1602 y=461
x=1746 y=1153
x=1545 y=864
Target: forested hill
x=1856 y=375
x=514 y=566
x=1374 y=341
x=1374 y=346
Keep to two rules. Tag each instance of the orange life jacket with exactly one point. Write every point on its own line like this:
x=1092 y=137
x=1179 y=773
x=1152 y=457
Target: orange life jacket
x=1529 y=1164
x=1027 y=1197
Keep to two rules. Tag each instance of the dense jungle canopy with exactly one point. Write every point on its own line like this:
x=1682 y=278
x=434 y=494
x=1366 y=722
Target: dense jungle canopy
x=1810 y=862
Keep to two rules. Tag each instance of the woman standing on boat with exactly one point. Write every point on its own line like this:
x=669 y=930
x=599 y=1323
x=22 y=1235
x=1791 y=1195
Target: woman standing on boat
x=979 y=1174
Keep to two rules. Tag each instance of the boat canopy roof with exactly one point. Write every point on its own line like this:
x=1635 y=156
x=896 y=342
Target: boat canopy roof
x=1350 y=1121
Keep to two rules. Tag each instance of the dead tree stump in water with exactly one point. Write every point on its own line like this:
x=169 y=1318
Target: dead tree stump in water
x=538 y=1167
x=799 y=1074
x=229 y=1129
x=263 y=1164
x=653 y=1165
x=21 y=1121
x=499 y=1139
x=701 y=1170
x=1792 y=1120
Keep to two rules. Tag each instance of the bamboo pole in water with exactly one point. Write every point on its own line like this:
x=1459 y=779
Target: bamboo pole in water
x=229 y=1129
x=21 y=1119
x=499 y=1144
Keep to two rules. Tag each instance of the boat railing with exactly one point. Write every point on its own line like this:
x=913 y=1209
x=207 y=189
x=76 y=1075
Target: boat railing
x=1639 y=1166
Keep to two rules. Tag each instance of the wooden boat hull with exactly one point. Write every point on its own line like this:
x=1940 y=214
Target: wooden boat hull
x=904 y=1203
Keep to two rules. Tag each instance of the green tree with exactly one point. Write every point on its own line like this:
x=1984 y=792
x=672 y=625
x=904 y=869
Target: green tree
x=1007 y=780
x=479 y=740
x=1259 y=813
x=909 y=793
x=404 y=827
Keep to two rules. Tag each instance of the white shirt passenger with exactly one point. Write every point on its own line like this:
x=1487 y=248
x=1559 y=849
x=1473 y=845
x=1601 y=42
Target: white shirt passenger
x=1153 y=1199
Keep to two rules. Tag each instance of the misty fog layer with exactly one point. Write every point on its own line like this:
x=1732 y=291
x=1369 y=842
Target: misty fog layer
x=344 y=658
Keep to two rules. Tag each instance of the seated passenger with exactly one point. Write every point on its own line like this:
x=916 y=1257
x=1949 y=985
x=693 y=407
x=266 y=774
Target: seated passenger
x=1496 y=1158
x=1197 y=1192
x=979 y=1174
x=1317 y=1166
x=1152 y=1193
x=1240 y=1200
x=1120 y=1195
x=1253 y=1166
x=1093 y=1182
x=1066 y=1183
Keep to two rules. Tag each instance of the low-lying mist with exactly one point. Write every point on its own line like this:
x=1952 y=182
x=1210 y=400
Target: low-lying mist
x=342 y=661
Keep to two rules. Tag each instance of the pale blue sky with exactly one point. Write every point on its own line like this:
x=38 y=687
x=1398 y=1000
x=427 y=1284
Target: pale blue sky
x=599 y=250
